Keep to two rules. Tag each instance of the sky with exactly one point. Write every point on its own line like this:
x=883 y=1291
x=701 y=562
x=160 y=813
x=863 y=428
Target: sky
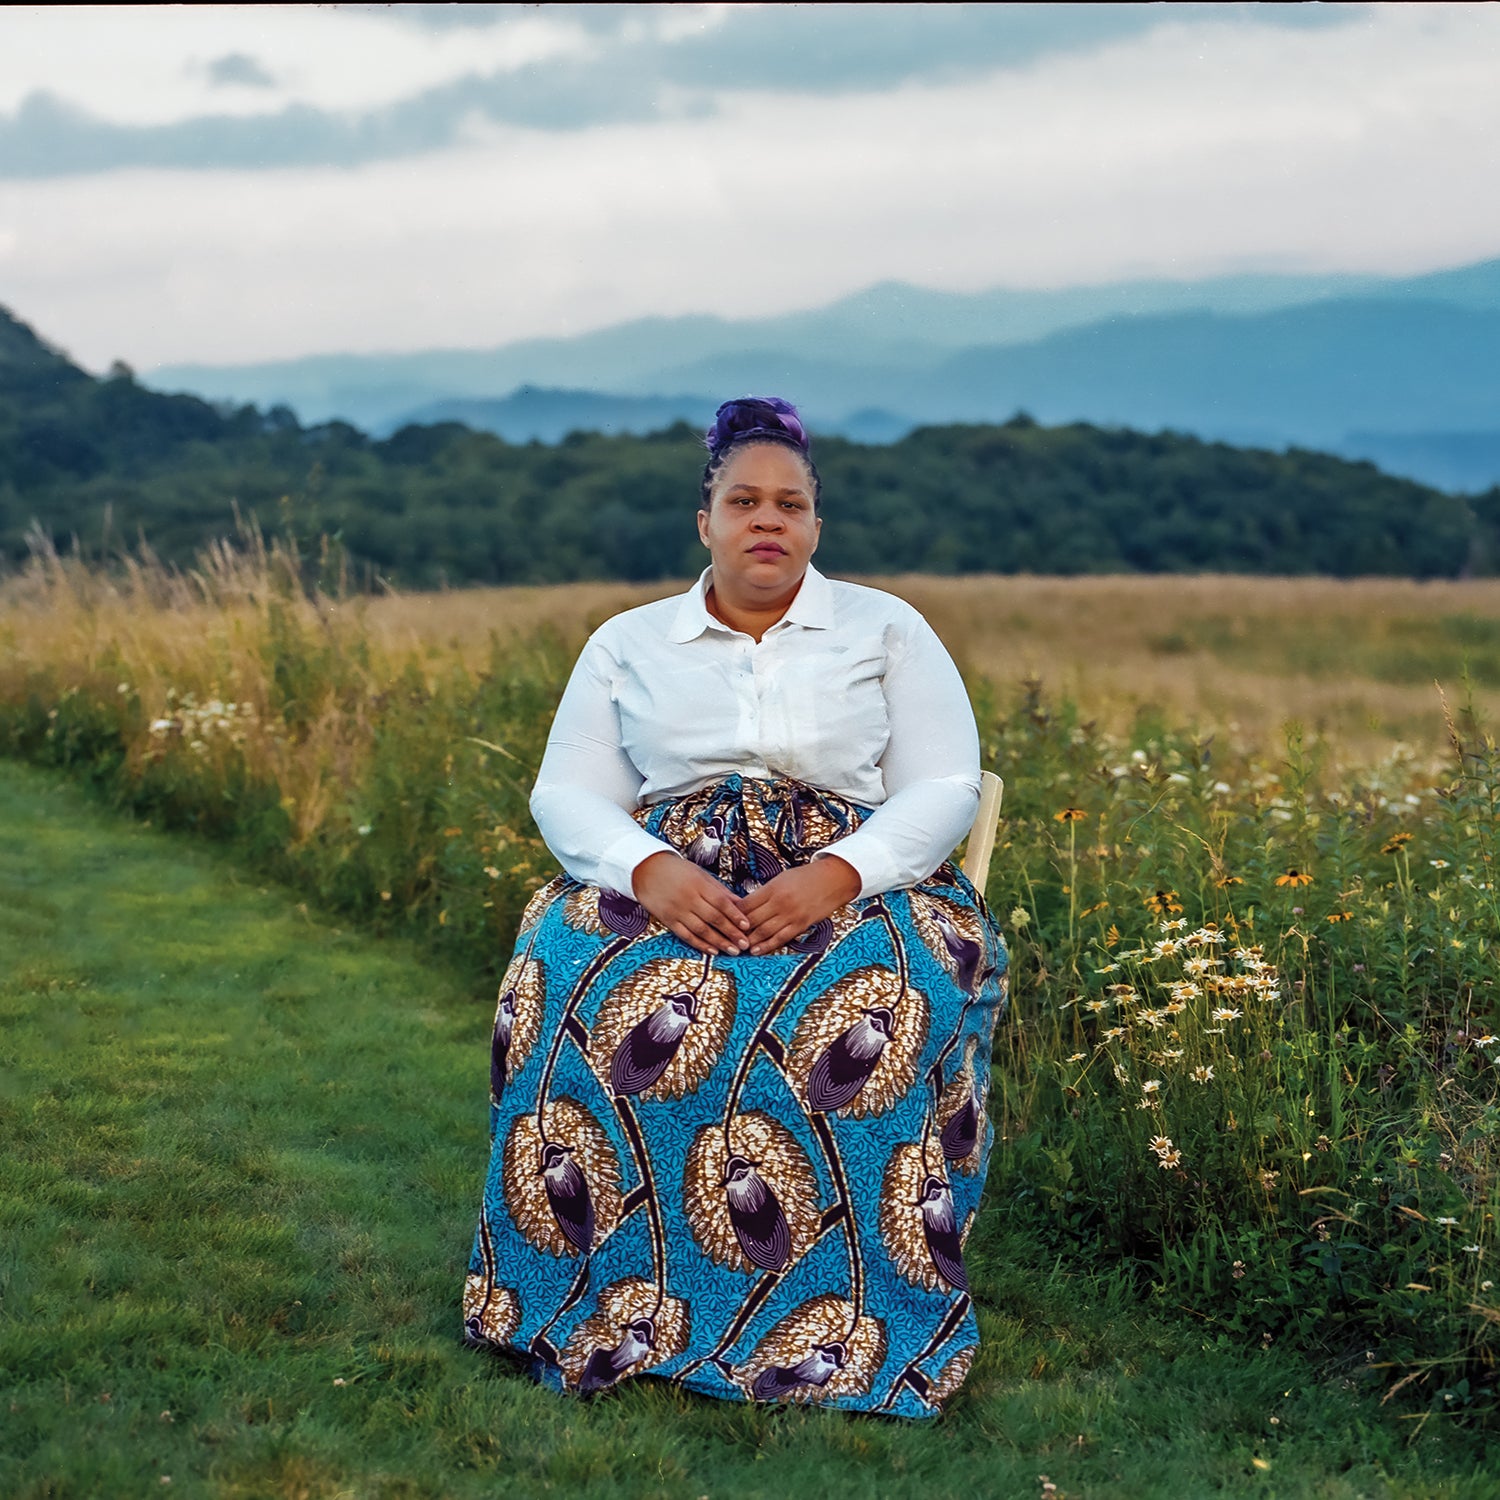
x=226 y=184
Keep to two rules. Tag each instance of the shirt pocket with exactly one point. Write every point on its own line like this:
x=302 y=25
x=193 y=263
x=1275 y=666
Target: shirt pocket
x=832 y=709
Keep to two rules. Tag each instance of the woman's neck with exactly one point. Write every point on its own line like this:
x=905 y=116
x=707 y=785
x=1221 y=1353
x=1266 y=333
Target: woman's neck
x=752 y=616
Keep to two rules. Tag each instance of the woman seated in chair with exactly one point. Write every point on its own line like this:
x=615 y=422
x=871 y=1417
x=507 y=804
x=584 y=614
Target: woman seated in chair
x=741 y=1054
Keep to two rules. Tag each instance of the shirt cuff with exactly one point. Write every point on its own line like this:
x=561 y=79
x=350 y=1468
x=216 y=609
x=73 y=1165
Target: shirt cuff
x=618 y=861
x=875 y=865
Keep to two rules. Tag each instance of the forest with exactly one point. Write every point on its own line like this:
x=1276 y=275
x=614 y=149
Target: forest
x=102 y=463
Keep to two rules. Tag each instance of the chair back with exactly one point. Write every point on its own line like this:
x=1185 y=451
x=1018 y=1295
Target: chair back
x=981 y=845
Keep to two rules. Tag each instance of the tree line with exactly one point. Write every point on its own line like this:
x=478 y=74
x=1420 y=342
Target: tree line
x=105 y=461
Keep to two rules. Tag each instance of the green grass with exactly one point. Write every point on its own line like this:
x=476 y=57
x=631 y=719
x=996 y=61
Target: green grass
x=241 y=1155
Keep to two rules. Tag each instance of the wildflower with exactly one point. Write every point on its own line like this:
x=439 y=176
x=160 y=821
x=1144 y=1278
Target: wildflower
x=1182 y=992
x=1486 y=1041
x=1438 y=864
x=1114 y=1033
x=1226 y=1013
x=1268 y=1178
x=1121 y=1076
x=1485 y=1286
x=1238 y=1270
x=1163 y=903
x=1202 y=1073
x=1107 y=969
x=1078 y=1057
x=1096 y=1005
x=1174 y=924
x=1294 y=877
x=492 y=872
x=1322 y=1143
x=1208 y=934
x=1121 y=991
x=1164 y=949
x=1200 y=966
x=1169 y=1054
x=1069 y=815
x=1340 y=916
x=363 y=830
x=1020 y=917
x=1112 y=936
x=339 y=1380
x=1225 y=881
x=1471 y=1249
x=1396 y=842
x=1441 y=1220
x=1167 y=1155
x=1150 y=1085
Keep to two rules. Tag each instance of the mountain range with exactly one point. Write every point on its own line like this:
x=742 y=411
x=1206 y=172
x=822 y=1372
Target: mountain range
x=1404 y=371
x=93 y=464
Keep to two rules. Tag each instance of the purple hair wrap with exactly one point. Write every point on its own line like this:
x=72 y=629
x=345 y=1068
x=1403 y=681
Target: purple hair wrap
x=756 y=416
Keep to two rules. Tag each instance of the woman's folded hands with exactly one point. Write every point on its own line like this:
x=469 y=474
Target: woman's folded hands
x=708 y=916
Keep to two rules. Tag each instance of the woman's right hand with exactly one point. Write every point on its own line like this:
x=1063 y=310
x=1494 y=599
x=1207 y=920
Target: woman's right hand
x=684 y=897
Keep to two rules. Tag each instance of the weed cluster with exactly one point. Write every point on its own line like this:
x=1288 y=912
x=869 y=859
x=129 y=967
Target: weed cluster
x=1254 y=1047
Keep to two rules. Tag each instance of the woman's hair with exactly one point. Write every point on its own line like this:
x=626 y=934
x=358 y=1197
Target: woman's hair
x=755 y=419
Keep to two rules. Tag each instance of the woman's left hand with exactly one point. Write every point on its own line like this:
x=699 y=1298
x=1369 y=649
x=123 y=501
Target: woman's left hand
x=790 y=903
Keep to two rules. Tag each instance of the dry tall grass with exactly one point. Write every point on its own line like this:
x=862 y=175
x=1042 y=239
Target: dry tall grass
x=1354 y=661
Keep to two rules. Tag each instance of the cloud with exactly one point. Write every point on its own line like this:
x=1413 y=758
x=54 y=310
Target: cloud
x=340 y=100
x=1185 y=151
x=239 y=68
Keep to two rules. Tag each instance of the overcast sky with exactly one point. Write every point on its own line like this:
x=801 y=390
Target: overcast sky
x=234 y=183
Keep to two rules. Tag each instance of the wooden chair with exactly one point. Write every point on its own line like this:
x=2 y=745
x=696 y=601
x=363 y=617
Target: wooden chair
x=982 y=833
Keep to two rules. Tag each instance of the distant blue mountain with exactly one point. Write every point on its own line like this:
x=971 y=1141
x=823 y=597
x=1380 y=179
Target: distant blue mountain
x=533 y=413
x=1455 y=461
x=892 y=325
x=1405 y=371
x=1308 y=375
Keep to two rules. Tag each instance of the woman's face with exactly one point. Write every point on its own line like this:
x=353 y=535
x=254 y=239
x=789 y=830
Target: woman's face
x=760 y=526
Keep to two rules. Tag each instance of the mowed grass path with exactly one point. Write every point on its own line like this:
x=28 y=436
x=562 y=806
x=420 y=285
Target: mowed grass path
x=240 y=1154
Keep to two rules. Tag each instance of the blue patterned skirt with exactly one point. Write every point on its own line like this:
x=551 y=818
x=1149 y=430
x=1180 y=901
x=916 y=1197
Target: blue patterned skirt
x=752 y=1176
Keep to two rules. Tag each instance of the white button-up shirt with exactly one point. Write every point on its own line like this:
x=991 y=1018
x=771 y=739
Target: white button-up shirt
x=851 y=692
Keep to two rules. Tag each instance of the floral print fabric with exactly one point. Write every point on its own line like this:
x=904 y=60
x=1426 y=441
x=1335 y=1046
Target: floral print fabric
x=753 y=1176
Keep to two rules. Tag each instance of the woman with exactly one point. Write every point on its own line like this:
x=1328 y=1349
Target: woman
x=740 y=1057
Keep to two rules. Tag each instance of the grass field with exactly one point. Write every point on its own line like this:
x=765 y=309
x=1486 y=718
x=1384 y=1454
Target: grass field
x=1245 y=1193
x=241 y=1154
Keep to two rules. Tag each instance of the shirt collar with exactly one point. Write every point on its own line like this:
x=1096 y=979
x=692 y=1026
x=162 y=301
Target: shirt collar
x=812 y=607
